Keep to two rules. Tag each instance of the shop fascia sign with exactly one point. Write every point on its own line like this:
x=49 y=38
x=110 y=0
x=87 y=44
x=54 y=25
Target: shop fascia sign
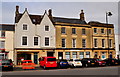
x=23 y=50
x=74 y=50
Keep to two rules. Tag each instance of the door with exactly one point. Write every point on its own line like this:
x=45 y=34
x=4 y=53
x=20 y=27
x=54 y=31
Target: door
x=36 y=58
x=50 y=54
x=60 y=55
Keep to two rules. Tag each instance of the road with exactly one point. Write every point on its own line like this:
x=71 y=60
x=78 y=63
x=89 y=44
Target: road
x=109 y=70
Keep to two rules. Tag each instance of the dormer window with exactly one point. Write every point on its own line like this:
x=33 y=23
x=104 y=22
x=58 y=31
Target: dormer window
x=46 y=28
x=24 y=26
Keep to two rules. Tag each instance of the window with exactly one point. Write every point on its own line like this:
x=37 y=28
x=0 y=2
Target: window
x=102 y=31
x=24 y=27
x=95 y=54
x=67 y=55
x=87 y=54
x=119 y=47
x=35 y=40
x=46 y=41
x=73 y=43
x=34 y=20
x=73 y=31
x=83 y=43
x=103 y=55
x=109 y=31
x=81 y=55
x=63 y=42
x=110 y=42
x=103 y=42
x=2 y=44
x=46 y=28
x=95 y=30
x=24 y=40
x=2 y=33
x=63 y=30
x=74 y=55
x=83 y=31
x=95 y=42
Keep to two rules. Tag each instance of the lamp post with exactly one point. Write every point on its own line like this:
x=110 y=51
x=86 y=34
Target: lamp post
x=108 y=14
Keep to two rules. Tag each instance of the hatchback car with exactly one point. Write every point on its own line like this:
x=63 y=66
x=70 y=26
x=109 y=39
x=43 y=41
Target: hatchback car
x=62 y=63
x=6 y=64
x=74 y=62
x=28 y=64
x=111 y=61
x=88 y=62
x=99 y=62
x=46 y=62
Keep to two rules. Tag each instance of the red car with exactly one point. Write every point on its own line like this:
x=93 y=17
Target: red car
x=46 y=62
x=28 y=64
x=100 y=62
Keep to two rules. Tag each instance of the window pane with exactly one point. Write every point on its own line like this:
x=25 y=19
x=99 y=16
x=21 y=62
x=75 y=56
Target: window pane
x=95 y=30
x=2 y=33
x=67 y=55
x=95 y=42
x=2 y=44
x=83 y=43
x=46 y=28
x=74 y=43
x=83 y=31
x=110 y=42
x=63 y=42
x=46 y=41
x=81 y=55
x=24 y=40
x=102 y=30
x=73 y=31
x=87 y=54
x=109 y=30
x=103 y=42
x=24 y=27
x=35 y=40
x=63 y=30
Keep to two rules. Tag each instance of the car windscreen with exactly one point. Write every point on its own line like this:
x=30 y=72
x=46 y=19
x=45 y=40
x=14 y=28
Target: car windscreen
x=5 y=61
x=27 y=62
x=98 y=59
x=51 y=59
x=64 y=60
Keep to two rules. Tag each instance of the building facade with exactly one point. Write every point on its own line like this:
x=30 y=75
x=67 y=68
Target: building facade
x=64 y=38
x=6 y=41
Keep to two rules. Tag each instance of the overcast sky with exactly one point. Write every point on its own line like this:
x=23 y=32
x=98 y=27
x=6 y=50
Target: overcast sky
x=94 y=11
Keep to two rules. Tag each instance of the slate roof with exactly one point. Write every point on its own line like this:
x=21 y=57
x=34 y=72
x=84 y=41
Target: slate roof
x=7 y=27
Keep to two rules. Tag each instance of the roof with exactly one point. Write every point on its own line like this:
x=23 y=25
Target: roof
x=7 y=27
x=38 y=19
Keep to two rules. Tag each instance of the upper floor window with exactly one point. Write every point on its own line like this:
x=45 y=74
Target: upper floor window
x=110 y=42
x=119 y=47
x=73 y=31
x=73 y=43
x=103 y=42
x=102 y=31
x=63 y=42
x=46 y=28
x=83 y=43
x=46 y=41
x=95 y=30
x=95 y=42
x=35 y=40
x=109 y=31
x=2 y=33
x=83 y=31
x=24 y=40
x=63 y=30
x=24 y=26
x=2 y=44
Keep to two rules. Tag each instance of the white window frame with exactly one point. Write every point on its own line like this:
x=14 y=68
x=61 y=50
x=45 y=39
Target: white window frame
x=27 y=26
x=48 y=28
x=38 y=41
x=22 y=40
x=49 y=41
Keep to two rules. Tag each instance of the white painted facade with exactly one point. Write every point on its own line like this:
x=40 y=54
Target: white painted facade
x=117 y=43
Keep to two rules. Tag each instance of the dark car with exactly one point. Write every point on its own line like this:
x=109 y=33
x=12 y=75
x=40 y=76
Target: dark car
x=111 y=61
x=100 y=62
x=6 y=64
x=62 y=63
x=86 y=62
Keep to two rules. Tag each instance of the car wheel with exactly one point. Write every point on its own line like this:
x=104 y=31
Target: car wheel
x=73 y=66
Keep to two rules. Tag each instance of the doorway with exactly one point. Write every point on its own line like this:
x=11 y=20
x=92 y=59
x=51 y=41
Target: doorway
x=50 y=54
x=60 y=55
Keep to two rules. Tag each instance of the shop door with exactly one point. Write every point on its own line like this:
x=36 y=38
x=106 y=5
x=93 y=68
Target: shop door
x=60 y=55
x=50 y=54
x=36 y=58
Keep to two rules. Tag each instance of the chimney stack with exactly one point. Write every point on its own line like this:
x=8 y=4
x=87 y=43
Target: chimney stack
x=17 y=10
x=82 y=18
x=50 y=12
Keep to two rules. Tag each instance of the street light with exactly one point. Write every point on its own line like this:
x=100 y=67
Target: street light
x=108 y=14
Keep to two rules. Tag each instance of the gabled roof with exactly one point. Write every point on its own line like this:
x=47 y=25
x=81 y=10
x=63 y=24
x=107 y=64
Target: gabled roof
x=36 y=19
x=7 y=27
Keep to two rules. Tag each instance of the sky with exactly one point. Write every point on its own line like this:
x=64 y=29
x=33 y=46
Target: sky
x=94 y=11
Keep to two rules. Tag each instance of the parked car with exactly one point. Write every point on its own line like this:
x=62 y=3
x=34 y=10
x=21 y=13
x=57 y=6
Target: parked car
x=99 y=62
x=111 y=61
x=74 y=62
x=6 y=64
x=28 y=64
x=62 y=63
x=86 y=62
x=46 y=62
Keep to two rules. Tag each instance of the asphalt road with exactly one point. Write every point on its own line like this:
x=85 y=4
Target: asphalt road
x=109 y=70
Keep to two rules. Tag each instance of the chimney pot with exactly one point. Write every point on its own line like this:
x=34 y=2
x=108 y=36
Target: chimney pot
x=50 y=12
x=82 y=18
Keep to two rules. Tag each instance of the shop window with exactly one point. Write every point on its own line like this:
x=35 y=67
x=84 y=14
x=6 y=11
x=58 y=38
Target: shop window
x=2 y=44
x=103 y=55
x=95 y=55
x=67 y=55
x=74 y=55
x=81 y=55
x=46 y=41
x=87 y=54
x=73 y=31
